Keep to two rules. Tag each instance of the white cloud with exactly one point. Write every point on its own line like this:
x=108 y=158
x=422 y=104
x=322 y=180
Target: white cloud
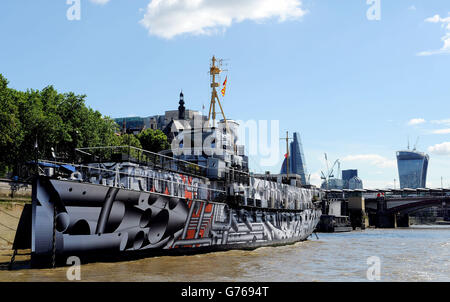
x=445 y=39
x=441 y=131
x=372 y=159
x=440 y=149
x=412 y=7
x=316 y=179
x=101 y=2
x=379 y=184
x=440 y=122
x=438 y=19
x=170 y=18
x=416 y=121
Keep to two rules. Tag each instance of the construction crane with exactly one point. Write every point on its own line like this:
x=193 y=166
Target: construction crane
x=417 y=142
x=329 y=175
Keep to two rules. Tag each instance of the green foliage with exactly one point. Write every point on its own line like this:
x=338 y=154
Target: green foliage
x=61 y=121
x=11 y=136
x=129 y=140
x=153 y=140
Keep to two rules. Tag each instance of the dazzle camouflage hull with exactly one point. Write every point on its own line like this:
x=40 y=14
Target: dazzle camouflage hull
x=71 y=218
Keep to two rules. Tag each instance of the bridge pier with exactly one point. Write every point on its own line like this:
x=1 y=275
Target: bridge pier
x=383 y=219
x=446 y=214
x=386 y=221
x=389 y=221
x=357 y=211
x=358 y=219
x=402 y=220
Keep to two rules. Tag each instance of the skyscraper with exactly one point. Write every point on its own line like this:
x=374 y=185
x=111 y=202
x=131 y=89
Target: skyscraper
x=412 y=169
x=297 y=164
x=351 y=180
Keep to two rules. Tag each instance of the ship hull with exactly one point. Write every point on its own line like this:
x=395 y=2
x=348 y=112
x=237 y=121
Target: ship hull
x=97 y=222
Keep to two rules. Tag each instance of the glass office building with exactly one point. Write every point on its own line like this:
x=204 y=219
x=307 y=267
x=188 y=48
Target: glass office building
x=412 y=169
x=351 y=180
x=297 y=164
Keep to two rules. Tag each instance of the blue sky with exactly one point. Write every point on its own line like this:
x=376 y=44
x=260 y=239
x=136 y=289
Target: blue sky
x=352 y=87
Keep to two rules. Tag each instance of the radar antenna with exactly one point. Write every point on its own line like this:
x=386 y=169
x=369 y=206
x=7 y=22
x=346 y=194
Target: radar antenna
x=287 y=138
x=214 y=72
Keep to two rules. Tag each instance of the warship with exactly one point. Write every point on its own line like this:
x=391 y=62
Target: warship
x=121 y=202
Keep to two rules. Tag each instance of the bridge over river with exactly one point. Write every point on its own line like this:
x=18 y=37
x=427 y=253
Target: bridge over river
x=390 y=208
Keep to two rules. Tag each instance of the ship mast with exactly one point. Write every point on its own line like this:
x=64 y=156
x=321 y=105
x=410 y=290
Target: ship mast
x=215 y=71
x=287 y=138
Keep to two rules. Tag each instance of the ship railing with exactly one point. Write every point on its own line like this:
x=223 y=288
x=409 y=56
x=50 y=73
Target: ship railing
x=152 y=159
x=140 y=156
x=152 y=184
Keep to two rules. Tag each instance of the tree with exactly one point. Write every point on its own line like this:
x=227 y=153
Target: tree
x=153 y=140
x=129 y=140
x=11 y=135
x=132 y=141
x=61 y=121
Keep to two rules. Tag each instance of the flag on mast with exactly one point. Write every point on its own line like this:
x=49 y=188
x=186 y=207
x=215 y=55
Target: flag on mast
x=224 y=86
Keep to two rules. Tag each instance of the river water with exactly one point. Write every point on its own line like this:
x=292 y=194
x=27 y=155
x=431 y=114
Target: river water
x=420 y=253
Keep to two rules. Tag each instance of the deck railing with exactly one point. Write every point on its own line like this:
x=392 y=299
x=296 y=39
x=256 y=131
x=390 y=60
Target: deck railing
x=140 y=156
x=94 y=174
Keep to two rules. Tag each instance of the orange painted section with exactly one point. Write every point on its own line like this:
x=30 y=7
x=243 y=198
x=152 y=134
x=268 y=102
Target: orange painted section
x=187 y=194
x=208 y=208
x=190 y=234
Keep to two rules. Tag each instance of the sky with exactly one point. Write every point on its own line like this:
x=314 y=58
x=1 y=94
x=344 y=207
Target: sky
x=357 y=79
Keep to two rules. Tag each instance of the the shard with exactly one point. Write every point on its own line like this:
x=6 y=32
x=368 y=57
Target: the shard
x=297 y=164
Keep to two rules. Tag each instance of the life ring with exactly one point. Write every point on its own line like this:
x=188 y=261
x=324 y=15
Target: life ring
x=76 y=176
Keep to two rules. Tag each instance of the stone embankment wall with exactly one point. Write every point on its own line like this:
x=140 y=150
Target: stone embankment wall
x=9 y=219
x=13 y=196
x=13 y=191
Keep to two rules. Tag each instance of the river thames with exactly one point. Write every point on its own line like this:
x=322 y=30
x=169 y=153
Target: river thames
x=420 y=253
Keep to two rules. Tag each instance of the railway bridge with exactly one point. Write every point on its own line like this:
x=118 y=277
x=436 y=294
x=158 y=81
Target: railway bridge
x=391 y=208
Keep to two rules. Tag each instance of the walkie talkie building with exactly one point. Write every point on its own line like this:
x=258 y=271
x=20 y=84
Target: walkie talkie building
x=412 y=169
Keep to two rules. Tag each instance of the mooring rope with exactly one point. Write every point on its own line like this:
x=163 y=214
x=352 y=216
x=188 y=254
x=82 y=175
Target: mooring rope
x=13 y=259
x=54 y=237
